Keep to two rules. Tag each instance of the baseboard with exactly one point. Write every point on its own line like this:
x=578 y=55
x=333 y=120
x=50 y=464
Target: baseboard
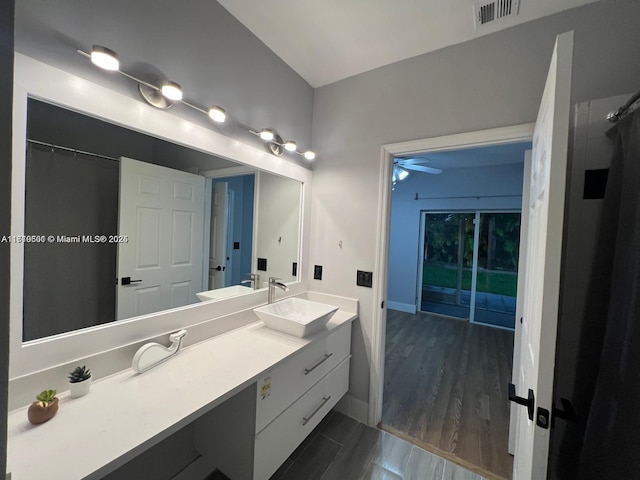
x=401 y=307
x=354 y=408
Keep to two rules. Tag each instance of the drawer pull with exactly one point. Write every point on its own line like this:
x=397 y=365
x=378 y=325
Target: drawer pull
x=307 y=371
x=306 y=420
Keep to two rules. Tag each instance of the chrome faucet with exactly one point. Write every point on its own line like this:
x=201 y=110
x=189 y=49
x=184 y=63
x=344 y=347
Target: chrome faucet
x=273 y=283
x=253 y=280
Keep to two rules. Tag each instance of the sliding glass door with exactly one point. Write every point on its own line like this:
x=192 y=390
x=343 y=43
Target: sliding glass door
x=447 y=263
x=469 y=265
x=497 y=272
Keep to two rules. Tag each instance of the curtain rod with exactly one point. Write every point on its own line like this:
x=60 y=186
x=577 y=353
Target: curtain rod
x=618 y=114
x=59 y=147
x=477 y=197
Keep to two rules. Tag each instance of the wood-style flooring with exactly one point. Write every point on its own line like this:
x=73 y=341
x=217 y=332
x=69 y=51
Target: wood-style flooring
x=446 y=389
x=341 y=448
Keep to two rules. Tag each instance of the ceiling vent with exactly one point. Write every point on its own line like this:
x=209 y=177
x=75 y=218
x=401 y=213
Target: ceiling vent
x=489 y=12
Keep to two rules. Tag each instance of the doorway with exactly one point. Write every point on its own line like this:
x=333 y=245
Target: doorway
x=535 y=333
x=446 y=366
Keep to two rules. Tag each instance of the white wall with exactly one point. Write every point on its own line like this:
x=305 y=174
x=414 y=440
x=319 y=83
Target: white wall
x=489 y=82
x=494 y=187
x=278 y=235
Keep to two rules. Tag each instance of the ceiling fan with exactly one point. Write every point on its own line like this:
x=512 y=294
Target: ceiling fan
x=401 y=167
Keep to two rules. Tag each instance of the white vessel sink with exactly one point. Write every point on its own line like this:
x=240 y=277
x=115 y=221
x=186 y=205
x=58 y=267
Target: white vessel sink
x=225 y=292
x=296 y=316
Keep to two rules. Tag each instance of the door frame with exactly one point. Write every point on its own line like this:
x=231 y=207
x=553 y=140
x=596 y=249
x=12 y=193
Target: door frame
x=478 y=138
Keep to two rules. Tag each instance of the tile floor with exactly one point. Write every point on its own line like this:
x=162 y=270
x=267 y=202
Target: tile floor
x=341 y=448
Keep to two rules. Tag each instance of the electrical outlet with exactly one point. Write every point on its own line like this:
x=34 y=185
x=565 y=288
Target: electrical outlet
x=317 y=272
x=262 y=264
x=364 y=279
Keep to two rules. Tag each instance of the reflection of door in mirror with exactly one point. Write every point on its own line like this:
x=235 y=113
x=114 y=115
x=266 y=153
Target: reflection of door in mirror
x=218 y=237
x=231 y=230
x=160 y=238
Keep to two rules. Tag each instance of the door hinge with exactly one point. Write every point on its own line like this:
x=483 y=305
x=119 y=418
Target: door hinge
x=382 y=304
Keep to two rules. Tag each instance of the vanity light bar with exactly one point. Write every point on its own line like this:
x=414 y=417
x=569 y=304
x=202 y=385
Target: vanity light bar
x=272 y=138
x=107 y=59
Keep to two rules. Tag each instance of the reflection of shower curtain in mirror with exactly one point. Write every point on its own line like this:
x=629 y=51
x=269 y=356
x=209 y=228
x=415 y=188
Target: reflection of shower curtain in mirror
x=612 y=438
x=68 y=286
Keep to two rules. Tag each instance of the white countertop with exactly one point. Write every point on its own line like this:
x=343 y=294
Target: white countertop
x=126 y=413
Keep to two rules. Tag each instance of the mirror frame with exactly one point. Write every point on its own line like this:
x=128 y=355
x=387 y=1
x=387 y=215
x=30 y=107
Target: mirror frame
x=35 y=79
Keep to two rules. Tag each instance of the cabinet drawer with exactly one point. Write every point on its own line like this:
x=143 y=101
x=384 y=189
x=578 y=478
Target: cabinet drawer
x=275 y=443
x=280 y=387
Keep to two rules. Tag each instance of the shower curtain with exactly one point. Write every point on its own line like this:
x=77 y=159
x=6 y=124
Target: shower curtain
x=68 y=286
x=611 y=445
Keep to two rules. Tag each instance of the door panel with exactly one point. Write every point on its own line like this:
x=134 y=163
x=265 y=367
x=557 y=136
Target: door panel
x=162 y=214
x=544 y=249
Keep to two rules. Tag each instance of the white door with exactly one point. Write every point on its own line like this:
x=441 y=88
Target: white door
x=544 y=248
x=218 y=237
x=162 y=216
x=522 y=262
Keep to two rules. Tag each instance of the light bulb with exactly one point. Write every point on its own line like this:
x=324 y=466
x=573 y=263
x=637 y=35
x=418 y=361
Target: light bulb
x=104 y=58
x=217 y=114
x=309 y=155
x=172 y=91
x=290 y=146
x=266 y=134
x=402 y=173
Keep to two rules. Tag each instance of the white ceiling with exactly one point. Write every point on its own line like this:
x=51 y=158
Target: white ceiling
x=328 y=40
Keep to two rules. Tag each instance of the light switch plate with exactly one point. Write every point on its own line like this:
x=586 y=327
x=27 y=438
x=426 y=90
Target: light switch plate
x=364 y=279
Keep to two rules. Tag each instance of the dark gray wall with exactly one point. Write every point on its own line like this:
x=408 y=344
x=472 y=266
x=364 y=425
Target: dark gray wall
x=6 y=99
x=493 y=81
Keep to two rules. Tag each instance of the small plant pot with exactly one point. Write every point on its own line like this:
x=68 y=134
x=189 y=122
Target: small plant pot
x=38 y=414
x=79 y=389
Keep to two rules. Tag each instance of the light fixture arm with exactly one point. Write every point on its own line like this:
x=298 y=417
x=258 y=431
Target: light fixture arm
x=275 y=143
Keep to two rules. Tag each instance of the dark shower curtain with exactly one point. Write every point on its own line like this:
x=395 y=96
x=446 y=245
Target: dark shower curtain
x=68 y=286
x=611 y=445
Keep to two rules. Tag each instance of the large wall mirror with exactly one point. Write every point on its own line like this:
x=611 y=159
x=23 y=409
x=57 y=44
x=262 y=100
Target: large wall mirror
x=113 y=263
x=124 y=224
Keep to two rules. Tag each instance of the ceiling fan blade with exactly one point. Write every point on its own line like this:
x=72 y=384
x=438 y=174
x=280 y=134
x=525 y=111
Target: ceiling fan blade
x=413 y=161
x=422 y=168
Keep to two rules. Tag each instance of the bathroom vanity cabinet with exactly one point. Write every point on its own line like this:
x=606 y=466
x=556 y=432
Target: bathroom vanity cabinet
x=289 y=401
x=240 y=402
x=309 y=385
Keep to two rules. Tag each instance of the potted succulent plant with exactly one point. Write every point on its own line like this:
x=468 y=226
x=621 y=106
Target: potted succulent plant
x=79 y=381
x=44 y=409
